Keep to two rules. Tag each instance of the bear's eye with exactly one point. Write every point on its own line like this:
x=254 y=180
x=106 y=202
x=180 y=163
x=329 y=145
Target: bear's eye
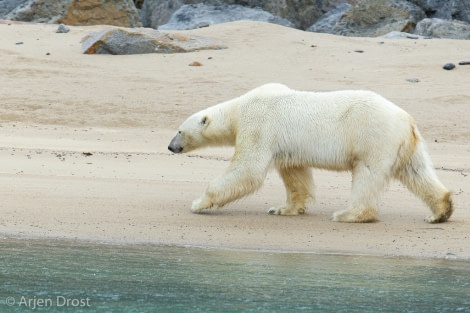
x=179 y=132
x=204 y=120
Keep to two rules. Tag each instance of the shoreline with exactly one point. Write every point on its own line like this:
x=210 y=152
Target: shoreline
x=89 y=242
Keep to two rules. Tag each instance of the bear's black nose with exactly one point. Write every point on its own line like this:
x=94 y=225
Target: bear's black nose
x=175 y=149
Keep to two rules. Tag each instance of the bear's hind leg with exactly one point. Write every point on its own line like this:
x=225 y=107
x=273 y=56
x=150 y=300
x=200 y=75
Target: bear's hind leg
x=298 y=182
x=419 y=177
x=367 y=185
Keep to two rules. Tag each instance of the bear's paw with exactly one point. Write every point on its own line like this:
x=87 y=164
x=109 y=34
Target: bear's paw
x=282 y=210
x=200 y=204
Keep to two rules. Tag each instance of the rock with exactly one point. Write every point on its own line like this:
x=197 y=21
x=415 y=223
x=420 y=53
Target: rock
x=300 y=13
x=328 y=21
x=158 y=12
x=372 y=18
x=451 y=256
x=449 y=66
x=438 y=28
x=107 y=12
x=412 y=80
x=63 y=29
x=402 y=35
x=7 y=6
x=445 y=9
x=83 y=12
x=201 y=14
x=39 y=11
x=464 y=63
x=115 y=40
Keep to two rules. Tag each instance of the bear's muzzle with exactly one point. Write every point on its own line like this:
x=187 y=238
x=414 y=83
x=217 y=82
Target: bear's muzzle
x=176 y=144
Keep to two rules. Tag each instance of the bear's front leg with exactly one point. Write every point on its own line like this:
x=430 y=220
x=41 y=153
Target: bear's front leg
x=245 y=175
x=299 y=183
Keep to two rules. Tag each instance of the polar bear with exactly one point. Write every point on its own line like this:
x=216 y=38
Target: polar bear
x=353 y=130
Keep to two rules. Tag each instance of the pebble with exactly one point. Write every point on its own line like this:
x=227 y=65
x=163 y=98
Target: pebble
x=63 y=28
x=413 y=80
x=195 y=63
x=449 y=66
x=450 y=256
x=464 y=63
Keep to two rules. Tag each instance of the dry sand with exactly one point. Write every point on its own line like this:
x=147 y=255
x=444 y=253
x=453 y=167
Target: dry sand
x=58 y=106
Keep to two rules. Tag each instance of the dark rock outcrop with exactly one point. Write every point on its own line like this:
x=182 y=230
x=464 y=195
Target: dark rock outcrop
x=327 y=23
x=115 y=40
x=341 y=17
x=199 y=15
x=7 y=6
x=445 y=9
x=372 y=18
x=39 y=11
x=438 y=28
x=83 y=12
x=155 y=13
x=301 y=13
x=108 y=12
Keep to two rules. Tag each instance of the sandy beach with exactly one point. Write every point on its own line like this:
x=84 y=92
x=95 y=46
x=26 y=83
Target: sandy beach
x=83 y=140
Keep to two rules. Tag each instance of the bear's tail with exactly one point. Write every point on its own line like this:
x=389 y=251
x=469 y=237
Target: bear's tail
x=415 y=170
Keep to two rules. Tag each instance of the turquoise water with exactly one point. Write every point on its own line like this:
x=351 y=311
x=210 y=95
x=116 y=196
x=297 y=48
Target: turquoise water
x=77 y=277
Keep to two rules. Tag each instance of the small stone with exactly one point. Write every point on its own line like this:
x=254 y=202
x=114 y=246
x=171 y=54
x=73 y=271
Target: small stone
x=63 y=28
x=451 y=256
x=19 y=43
x=195 y=63
x=412 y=80
x=449 y=66
x=202 y=24
x=464 y=63
x=359 y=51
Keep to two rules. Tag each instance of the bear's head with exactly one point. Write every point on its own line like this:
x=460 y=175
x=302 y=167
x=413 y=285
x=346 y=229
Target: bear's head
x=214 y=126
x=191 y=134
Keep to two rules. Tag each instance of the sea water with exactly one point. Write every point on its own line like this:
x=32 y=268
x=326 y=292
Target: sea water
x=38 y=276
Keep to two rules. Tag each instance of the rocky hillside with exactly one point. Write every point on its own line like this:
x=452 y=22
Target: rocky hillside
x=430 y=18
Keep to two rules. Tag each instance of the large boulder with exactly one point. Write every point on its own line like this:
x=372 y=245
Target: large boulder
x=158 y=12
x=39 y=11
x=446 y=9
x=327 y=23
x=6 y=6
x=83 y=12
x=119 y=41
x=301 y=13
x=108 y=12
x=197 y=15
x=438 y=28
x=372 y=18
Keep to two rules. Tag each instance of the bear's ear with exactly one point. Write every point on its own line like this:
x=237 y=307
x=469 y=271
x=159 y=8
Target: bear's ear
x=204 y=121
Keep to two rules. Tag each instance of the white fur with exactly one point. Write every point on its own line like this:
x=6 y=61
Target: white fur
x=357 y=131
